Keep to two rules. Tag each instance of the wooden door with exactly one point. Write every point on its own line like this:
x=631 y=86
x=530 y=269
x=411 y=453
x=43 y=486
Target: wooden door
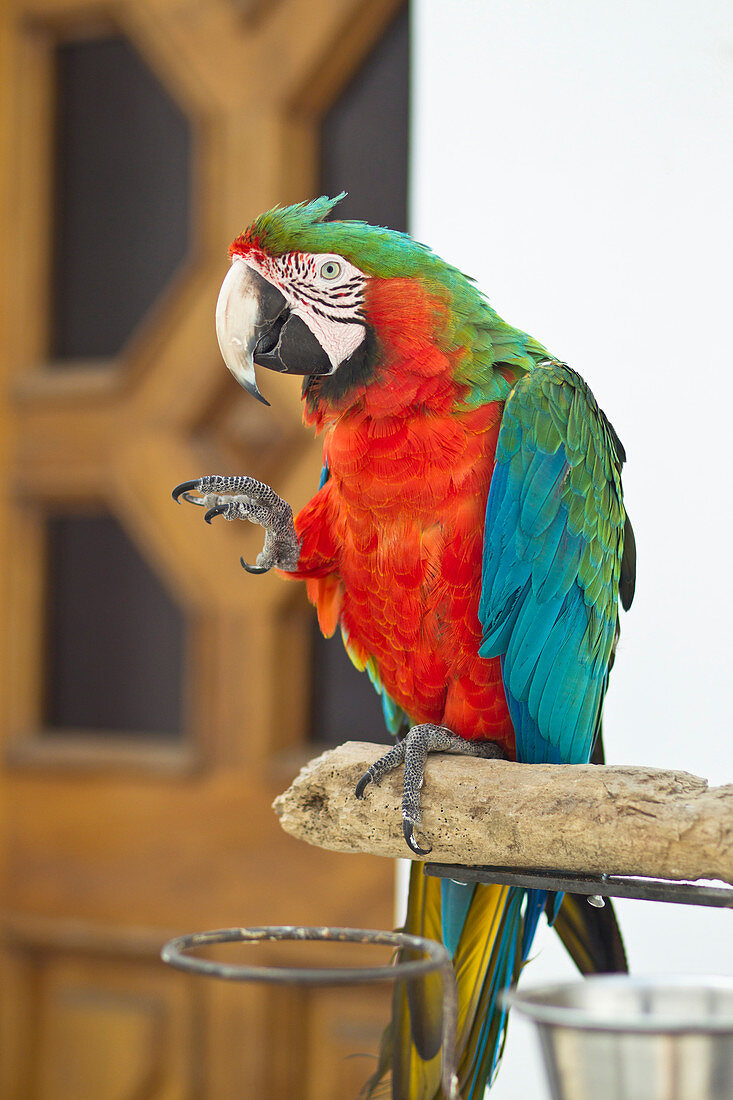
x=154 y=699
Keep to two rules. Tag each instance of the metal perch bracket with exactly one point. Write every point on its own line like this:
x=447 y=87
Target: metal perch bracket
x=594 y=886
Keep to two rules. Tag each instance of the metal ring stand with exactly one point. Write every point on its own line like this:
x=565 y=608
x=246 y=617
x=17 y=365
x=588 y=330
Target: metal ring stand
x=174 y=953
x=438 y=959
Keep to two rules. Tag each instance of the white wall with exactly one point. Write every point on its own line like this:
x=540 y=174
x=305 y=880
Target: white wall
x=576 y=157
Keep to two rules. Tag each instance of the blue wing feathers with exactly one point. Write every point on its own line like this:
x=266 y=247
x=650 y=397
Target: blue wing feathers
x=394 y=716
x=549 y=595
x=533 y=625
x=544 y=575
x=541 y=493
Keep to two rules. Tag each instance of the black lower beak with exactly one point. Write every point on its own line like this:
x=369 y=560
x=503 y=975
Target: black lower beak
x=289 y=346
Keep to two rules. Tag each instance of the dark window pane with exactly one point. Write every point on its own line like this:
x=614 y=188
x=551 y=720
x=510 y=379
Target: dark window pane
x=364 y=137
x=365 y=152
x=114 y=635
x=122 y=195
x=345 y=705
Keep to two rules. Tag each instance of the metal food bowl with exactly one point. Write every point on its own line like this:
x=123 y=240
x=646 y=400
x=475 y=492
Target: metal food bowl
x=614 y=1037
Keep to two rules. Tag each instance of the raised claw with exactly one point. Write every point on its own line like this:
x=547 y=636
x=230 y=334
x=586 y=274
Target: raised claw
x=255 y=568
x=408 y=833
x=243 y=497
x=186 y=487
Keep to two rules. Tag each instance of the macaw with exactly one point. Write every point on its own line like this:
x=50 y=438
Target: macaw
x=469 y=538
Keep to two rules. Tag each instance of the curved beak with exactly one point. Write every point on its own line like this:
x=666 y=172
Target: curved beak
x=246 y=307
x=254 y=325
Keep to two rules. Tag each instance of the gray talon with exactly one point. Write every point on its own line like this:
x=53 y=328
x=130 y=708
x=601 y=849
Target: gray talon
x=362 y=785
x=408 y=832
x=255 y=568
x=183 y=489
x=412 y=750
x=219 y=510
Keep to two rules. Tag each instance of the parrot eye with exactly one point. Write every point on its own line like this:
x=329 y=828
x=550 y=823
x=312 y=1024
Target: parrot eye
x=330 y=270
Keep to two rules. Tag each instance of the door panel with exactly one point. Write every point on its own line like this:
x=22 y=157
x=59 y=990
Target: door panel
x=110 y=1028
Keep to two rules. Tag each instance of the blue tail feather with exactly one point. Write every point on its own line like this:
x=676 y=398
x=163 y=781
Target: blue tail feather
x=456 y=901
x=535 y=905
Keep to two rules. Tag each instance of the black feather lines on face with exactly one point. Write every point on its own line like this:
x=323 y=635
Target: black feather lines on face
x=356 y=371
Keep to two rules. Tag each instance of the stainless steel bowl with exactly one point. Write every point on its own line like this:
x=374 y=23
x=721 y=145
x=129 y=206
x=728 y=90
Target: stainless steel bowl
x=614 y=1037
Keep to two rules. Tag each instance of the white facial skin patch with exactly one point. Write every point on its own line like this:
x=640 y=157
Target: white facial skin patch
x=326 y=292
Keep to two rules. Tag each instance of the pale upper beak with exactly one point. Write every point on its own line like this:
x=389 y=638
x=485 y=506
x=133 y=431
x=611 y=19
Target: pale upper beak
x=254 y=325
x=239 y=322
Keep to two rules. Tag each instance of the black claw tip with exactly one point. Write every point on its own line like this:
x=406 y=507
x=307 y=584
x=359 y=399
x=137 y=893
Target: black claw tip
x=362 y=784
x=184 y=487
x=218 y=511
x=254 y=568
x=407 y=829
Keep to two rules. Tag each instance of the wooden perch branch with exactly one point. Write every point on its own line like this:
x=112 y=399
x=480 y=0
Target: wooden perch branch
x=621 y=820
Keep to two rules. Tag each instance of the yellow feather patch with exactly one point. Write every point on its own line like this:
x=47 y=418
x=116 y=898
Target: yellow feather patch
x=475 y=948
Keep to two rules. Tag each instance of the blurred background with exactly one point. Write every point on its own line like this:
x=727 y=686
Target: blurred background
x=577 y=160
x=154 y=702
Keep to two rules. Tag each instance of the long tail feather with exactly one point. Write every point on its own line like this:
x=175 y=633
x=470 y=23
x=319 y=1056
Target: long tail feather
x=486 y=1040
x=484 y=932
x=489 y=931
x=536 y=902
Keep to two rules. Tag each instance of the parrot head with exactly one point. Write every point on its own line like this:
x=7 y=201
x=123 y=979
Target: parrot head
x=288 y=307
x=334 y=301
x=296 y=297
